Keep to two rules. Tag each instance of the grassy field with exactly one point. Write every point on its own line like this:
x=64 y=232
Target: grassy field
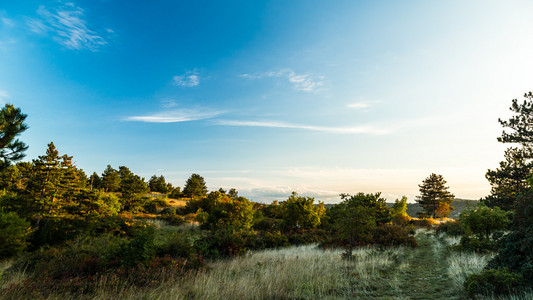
x=430 y=271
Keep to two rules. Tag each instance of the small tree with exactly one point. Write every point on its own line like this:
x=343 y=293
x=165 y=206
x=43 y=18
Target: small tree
x=301 y=212
x=434 y=196
x=195 y=186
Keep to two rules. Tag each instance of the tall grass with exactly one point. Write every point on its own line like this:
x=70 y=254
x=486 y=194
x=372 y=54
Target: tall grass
x=297 y=272
x=463 y=264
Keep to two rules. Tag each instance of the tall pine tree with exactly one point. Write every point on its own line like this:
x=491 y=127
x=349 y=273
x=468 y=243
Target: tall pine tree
x=434 y=196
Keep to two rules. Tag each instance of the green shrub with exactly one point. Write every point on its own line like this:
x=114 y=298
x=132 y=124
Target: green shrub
x=421 y=223
x=484 y=221
x=13 y=234
x=453 y=228
x=268 y=224
x=393 y=235
x=474 y=243
x=221 y=243
x=140 y=249
x=516 y=253
x=493 y=282
x=176 y=246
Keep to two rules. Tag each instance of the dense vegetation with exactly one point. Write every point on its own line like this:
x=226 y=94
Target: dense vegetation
x=78 y=235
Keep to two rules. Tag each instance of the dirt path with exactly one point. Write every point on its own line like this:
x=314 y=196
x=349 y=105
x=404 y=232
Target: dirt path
x=425 y=276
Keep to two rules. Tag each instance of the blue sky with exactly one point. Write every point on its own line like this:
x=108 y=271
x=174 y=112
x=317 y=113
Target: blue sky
x=271 y=96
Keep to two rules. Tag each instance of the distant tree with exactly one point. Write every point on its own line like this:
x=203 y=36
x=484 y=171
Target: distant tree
x=95 y=182
x=131 y=186
x=434 y=196
x=175 y=193
x=9 y=177
x=11 y=125
x=399 y=208
x=110 y=179
x=233 y=193
x=158 y=184
x=227 y=212
x=300 y=212
x=377 y=205
x=195 y=187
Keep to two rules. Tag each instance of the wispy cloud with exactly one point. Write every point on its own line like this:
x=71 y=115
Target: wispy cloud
x=359 y=105
x=303 y=82
x=189 y=79
x=68 y=27
x=367 y=129
x=175 y=116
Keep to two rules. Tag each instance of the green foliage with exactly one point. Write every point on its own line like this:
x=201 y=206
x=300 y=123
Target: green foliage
x=301 y=212
x=493 y=282
x=452 y=228
x=158 y=184
x=11 y=125
x=393 y=235
x=175 y=193
x=221 y=243
x=140 y=249
x=434 y=196
x=483 y=221
x=176 y=246
x=13 y=234
x=95 y=182
x=356 y=225
x=399 y=208
x=516 y=253
x=110 y=179
x=227 y=212
x=510 y=179
x=377 y=206
x=195 y=187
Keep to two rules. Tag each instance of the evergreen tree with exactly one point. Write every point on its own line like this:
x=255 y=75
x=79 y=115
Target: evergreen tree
x=195 y=186
x=158 y=184
x=434 y=196
x=509 y=180
x=11 y=125
x=521 y=124
x=110 y=180
x=95 y=182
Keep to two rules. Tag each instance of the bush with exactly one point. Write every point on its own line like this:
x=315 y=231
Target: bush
x=453 y=228
x=470 y=242
x=274 y=239
x=516 y=253
x=393 y=235
x=422 y=223
x=13 y=234
x=176 y=246
x=221 y=243
x=493 y=282
x=268 y=224
x=140 y=249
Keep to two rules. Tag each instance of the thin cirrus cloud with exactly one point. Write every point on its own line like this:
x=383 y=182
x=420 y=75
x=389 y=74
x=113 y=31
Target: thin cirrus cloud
x=367 y=129
x=303 y=82
x=67 y=26
x=175 y=116
x=189 y=79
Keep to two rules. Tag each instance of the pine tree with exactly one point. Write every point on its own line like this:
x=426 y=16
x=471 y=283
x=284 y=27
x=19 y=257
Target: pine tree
x=434 y=196
x=195 y=186
x=110 y=180
x=509 y=180
x=11 y=125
